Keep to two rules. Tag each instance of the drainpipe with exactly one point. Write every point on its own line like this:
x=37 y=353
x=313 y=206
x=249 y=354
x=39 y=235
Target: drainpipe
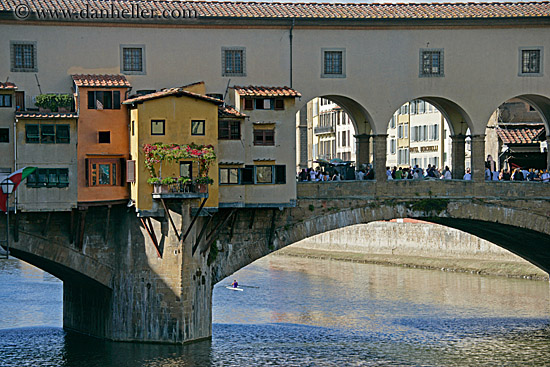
x=290 y=41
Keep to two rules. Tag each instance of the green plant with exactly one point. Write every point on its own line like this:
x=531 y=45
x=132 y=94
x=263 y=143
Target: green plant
x=183 y=180
x=168 y=180
x=153 y=180
x=157 y=153
x=311 y=207
x=53 y=101
x=204 y=180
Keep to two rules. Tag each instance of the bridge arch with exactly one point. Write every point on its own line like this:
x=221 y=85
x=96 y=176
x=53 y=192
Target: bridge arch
x=523 y=232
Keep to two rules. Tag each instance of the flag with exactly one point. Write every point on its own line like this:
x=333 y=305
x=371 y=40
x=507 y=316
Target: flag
x=16 y=179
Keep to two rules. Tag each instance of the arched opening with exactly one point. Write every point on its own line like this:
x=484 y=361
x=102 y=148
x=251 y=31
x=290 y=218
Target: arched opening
x=333 y=136
x=516 y=140
x=419 y=142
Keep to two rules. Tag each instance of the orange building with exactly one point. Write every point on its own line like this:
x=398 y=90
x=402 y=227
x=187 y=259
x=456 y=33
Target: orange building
x=103 y=138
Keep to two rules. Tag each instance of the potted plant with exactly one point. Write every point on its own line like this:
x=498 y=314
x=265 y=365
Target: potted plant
x=51 y=102
x=202 y=184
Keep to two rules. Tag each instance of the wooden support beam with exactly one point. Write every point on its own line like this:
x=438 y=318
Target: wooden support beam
x=216 y=231
x=81 y=228
x=272 y=229
x=151 y=232
x=193 y=221
x=198 y=239
x=47 y=224
x=170 y=218
x=233 y=222
x=107 y=221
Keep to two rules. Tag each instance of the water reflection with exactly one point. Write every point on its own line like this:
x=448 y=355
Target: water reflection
x=304 y=312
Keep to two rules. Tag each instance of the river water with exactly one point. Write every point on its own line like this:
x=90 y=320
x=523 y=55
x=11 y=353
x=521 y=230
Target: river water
x=305 y=312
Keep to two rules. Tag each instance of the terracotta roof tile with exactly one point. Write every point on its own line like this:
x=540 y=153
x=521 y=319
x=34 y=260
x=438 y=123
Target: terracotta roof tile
x=523 y=135
x=229 y=111
x=256 y=91
x=7 y=86
x=102 y=81
x=172 y=92
x=46 y=115
x=248 y=9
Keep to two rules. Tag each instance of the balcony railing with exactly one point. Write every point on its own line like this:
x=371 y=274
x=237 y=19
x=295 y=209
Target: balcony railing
x=180 y=190
x=323 y=129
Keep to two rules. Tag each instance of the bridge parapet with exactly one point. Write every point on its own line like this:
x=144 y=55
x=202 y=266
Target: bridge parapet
x=444 y=189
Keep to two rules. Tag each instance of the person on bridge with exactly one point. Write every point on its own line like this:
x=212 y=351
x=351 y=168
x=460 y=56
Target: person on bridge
x=235 y=284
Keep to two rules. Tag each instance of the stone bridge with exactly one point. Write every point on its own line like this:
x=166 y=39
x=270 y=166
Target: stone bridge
x=119 y=285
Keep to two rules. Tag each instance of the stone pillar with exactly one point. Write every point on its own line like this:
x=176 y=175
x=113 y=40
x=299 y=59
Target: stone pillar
x=151 y=298
x=302 y=148
x=380 y=146
x=458 y=155
x=362 y=151
x=478 y=157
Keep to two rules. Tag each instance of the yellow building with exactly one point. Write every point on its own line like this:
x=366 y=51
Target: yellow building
x=180 y=116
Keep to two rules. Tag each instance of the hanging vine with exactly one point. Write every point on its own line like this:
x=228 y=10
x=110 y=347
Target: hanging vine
x=157 y=153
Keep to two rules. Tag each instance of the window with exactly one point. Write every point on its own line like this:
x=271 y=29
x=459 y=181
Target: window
x=392 y=146
x=333 y=63
x=264 y=137
x=32 y=134
x=279 y=104
x=62 y=134
x=247 y=175
x=197 y=127
x=229 y=130
x=343 y=139
x=104 y=137
x=264 y=174
x=103 y=172
x=274 y=174
x=186 y=169
x=406 y=130
x=47 y=134
x=229 y=176
x=49 y=177
x=530 y=63
x=5 y=135
x=400 y=131
x=104 y=100
x=248 y=104
x=392 y=122
x=404 y=110
x=5 y=100
x=157 y=127
x=263 y=103
x=233 y=61
x=132 y=59
x=23 y=56
x=431 y=62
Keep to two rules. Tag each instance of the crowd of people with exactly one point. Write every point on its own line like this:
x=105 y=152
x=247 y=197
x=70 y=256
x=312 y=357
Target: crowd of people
x=431 y=172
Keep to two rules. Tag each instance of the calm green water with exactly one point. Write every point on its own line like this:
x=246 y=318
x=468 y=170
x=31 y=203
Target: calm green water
x=304 y=312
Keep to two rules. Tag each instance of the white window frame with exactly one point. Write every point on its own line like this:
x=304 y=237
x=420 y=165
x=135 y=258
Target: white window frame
x=234 y=48
x=441 y=69
x=34 y=67
x=520 y=61
x=342 y=74
x=132 y=72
